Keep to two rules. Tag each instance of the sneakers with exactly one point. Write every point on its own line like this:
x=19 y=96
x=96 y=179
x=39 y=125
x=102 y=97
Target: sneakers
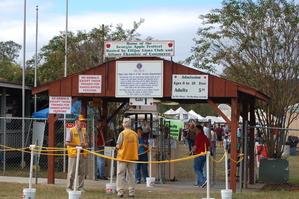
x=81 y=189
x=68 y=190
x=102 y=177
x=138 y=182
x=204 y=184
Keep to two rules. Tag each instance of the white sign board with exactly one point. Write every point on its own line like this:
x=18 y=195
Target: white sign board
x=90 y=83
x=190 y=86
x=140 y=101
x=60 y=105
x=152 y=48
x=139 y=79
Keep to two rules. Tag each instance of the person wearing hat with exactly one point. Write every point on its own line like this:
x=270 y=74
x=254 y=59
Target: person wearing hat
x=76 y=137
x=127 y=146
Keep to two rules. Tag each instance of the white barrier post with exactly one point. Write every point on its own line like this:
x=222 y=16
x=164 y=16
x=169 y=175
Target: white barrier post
x=77 y=167
x=76 y=194
x=111 y=187
x=150 y=182
x=30 y=193
x=227 y=193
x=226 y=170
x=208 y=175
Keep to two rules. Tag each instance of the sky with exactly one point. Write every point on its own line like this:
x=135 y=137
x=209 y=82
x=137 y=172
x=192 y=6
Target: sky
x=164 y=19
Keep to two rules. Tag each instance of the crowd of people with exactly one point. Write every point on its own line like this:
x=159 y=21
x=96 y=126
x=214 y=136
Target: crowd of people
x=133 y=146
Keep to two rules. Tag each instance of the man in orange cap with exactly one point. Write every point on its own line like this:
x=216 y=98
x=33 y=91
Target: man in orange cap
x=76 y=137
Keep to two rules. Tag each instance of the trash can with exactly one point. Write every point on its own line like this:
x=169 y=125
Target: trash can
x=293 y=151
x=293 y=141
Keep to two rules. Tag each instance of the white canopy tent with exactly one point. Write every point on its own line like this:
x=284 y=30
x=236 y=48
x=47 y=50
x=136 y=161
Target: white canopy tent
x=180 y=110
x=170 y=112
x=215 y=119
x=194 y=115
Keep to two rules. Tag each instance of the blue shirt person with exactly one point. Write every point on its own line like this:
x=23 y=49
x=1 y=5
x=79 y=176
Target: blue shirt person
x=142 y=156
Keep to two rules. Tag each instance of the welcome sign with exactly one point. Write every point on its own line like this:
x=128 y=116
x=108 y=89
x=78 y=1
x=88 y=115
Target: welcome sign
x=139 y=48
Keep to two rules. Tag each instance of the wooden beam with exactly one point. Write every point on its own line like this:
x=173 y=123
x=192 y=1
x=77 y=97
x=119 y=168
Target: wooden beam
x=117 y=110
x=219 y=111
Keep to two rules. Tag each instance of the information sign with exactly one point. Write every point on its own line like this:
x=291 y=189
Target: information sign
x=60 y=105
x=190 y=86
x=90 y=83
x=139 y=79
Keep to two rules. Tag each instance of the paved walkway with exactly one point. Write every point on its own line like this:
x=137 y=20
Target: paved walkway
x=179 y=185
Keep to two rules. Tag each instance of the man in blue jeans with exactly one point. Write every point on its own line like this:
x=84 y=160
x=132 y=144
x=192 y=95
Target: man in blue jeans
x=142 y=156
x=201 y=145
x=100 y=149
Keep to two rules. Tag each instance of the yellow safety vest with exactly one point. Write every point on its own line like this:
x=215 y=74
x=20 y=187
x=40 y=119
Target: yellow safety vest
x=129 y=147
x=72 y=151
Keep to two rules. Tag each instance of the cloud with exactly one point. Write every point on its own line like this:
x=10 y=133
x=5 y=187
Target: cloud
x=162 y=23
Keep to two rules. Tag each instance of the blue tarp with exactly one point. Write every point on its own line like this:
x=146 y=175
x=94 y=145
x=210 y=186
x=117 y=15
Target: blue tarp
x=76 y=110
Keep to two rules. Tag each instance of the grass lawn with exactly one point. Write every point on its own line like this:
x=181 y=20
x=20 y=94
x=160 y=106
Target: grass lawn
x=15 y=190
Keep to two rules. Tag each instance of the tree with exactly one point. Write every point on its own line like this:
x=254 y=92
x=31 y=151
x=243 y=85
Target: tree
x=85 y=50
x=256 y=42
x=10 y=70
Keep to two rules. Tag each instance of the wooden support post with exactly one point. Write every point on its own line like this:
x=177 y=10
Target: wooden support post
x=251 y=143
x=233 y=148
x=51 y=143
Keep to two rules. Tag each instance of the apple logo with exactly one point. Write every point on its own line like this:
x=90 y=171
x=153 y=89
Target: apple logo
x=108 y=45
x=151 y=103
x=170 y=45
x=131 y=103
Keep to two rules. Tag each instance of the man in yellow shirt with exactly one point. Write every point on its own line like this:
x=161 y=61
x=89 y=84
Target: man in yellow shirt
x=76 y=136
x=127 y=146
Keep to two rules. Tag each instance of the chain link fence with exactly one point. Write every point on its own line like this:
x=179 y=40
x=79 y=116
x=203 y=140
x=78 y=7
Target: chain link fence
x=17 y=134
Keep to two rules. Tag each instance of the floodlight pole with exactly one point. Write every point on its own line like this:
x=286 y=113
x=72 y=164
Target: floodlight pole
x=23 y=85
x=65 y=72
x=35 y=69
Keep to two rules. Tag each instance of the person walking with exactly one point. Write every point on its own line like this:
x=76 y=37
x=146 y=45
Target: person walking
x=220 y=133
x=191 y=135
x=127 y=147
x=146 y=129
x=100 y=149
x=201 y=145
x=76 y=137
x=142 y=156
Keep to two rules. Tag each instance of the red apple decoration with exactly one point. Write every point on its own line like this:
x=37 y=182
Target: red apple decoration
x=170 y=45
x=108 y=45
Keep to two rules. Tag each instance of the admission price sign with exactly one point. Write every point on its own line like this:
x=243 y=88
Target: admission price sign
x=190 y=86
x=139 y=79
x=90 y=83
x=60 y=105
x=153 y=48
